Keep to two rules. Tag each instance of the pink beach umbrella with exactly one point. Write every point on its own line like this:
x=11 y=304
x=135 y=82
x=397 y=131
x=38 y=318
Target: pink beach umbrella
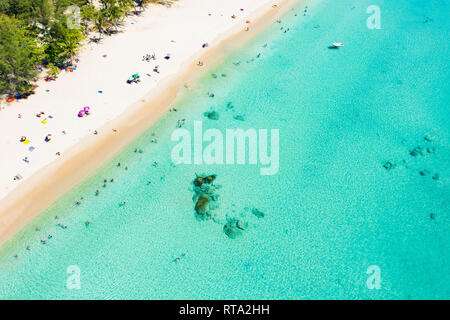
x=86 y=109
x=81 y=113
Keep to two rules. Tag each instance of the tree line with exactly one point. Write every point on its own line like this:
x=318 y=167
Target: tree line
x=47 y=34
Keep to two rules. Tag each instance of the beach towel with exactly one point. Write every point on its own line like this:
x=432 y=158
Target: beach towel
x=26 y=141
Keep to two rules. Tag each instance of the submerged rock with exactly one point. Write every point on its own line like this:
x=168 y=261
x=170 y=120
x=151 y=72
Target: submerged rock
x=430 y=137
x=210 y=178
x=202 y=204
x=233 y=228
x=258 y=213
x=241 y=225
x=239 y=117
x=198 y=181
x=205 y=196
x=212 y=115
x=388 y=165
x=416 y=151
x=230 y=231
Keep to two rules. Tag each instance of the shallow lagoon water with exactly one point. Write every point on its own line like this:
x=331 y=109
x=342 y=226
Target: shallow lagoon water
x=333 y=209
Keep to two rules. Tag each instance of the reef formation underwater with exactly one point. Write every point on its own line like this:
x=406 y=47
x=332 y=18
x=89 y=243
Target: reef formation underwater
x=206 y=202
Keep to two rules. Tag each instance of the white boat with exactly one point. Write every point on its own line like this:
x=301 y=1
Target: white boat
x=338 y=44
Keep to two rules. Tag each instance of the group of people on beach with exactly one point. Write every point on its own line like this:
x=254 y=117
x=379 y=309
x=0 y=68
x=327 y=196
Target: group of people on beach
x=122 y=203
x=149 y=57
x=180 y=123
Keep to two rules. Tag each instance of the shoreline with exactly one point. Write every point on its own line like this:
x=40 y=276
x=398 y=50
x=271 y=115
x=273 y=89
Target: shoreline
x=80 y=161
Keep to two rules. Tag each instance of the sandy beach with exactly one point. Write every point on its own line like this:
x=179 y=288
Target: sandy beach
x=120 y=112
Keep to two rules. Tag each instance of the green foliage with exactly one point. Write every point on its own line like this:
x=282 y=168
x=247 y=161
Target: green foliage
x=112 y=13
x=88 y=16
x=52 y=71
x=19 y=54
x=34 y=32
x=62 y=42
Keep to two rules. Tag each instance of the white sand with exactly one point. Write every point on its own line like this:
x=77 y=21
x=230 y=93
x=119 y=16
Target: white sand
x=180 y=31
x=131 y=109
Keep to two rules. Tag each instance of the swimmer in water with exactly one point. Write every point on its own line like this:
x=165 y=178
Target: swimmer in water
x=118 y=164
x=97 y=192
x=88 y=223
x=112 y=180
x=178 y=259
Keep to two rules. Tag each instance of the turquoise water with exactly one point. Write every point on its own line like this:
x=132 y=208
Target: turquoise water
x=332 y=210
